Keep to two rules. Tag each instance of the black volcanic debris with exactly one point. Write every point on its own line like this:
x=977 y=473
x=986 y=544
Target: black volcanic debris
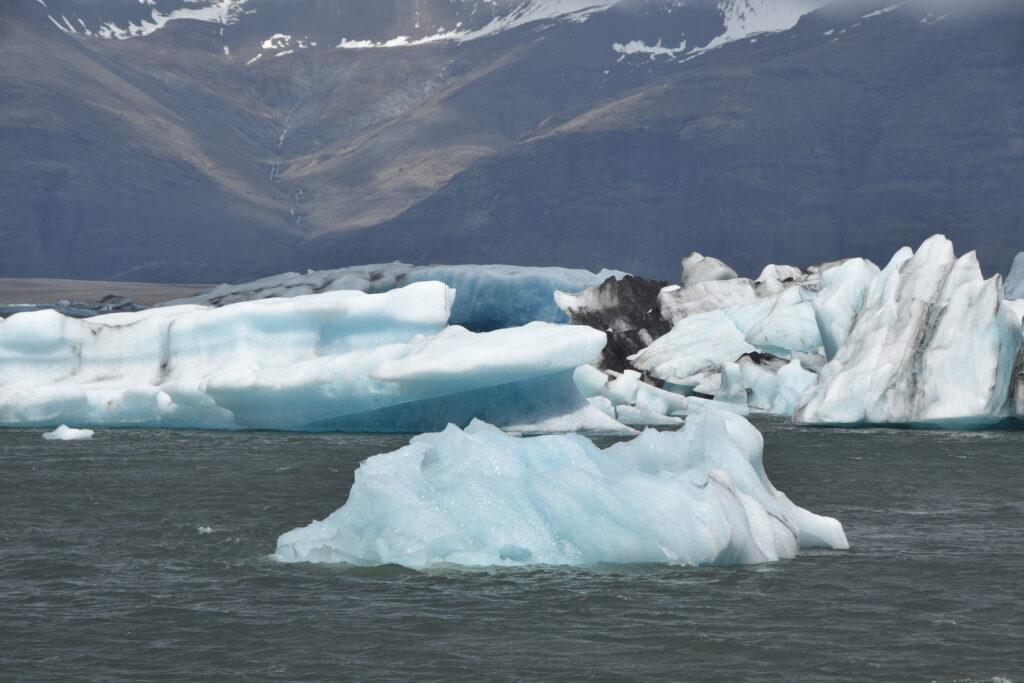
x=626 y=310
x=198 y=154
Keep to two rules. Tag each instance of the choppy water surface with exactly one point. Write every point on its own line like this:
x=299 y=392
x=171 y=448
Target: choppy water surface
x=142 y=554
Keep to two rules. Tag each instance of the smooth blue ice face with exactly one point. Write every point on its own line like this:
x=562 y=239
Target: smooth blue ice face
x=479 y=497
x=492 y=297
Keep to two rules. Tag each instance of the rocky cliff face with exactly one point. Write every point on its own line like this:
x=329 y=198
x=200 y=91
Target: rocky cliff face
x=223 y=140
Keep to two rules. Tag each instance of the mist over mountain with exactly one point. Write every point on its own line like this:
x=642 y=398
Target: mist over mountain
x=179 y=140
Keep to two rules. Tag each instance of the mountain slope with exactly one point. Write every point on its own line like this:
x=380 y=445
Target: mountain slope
x=224 y=139
x=843 y=136
x=108 y=175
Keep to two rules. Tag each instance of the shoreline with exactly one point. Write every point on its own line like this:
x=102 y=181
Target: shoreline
x=49 y=290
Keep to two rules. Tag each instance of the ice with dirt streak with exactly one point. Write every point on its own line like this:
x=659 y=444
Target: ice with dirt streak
x=933 y=344
x=479 y=497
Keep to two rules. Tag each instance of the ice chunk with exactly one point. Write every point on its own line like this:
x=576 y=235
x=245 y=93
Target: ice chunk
x=699 y=268
x=780 y=324
x=841 y=298
x=480 y=497
x=934 y=345
x=701 y=296
x=791 y=382
x=602 y=404
x=340 y=360
x=697 y=344
x=65 y=433
x=489 y=297
x=1014 y=288
x=637 y=417
x=765 y=384
x=590 y=380
x=676 y=303
x=643 y=403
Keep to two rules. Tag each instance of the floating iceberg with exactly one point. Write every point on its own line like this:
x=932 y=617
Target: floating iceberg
x=490 y=297
x=933 y=345
x=65 y=433
x=344 y=361
x=479 y=497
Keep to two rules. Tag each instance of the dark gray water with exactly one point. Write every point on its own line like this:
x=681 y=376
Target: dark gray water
x=142 y=555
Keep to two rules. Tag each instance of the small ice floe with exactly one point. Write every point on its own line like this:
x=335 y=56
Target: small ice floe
x=65 y=433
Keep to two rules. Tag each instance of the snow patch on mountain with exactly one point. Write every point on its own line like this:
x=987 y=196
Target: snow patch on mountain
x=741 y=19
x=745 y=18
x=884 y=10
x=524 y=13
x=634 y=47
x=215 y=11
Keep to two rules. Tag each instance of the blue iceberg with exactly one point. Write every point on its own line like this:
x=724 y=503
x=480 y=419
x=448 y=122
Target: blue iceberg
x=337 y=361
x=479 y=497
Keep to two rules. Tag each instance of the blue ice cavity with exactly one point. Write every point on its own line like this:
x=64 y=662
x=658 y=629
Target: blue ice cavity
x=489 y=297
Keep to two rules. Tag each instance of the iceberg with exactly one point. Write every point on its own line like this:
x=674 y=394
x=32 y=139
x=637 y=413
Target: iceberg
x=703 y=295
x=698 y=345
x=479 y=497
x=731 y=337
x=676 y=303
x=933 y=345
x=65 y=433
x=337 y=361
x=765 y=383
x=490 y=297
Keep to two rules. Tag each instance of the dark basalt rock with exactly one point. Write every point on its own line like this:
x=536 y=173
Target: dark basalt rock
x=626 y=310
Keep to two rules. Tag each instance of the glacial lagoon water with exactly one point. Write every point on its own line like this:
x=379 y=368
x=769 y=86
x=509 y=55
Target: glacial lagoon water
x=143 y=554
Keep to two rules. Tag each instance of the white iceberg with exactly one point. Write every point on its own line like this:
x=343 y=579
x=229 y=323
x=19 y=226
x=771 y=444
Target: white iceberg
x=731 y=337
x=490 y=297
x=676 y=303
x=65 y=433
x=479 y=497
x=697 y=345
x=768 y=385
x=338 y=361
x=933 y=345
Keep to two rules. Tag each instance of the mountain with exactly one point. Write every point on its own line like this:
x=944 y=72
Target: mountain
x=197 y=140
